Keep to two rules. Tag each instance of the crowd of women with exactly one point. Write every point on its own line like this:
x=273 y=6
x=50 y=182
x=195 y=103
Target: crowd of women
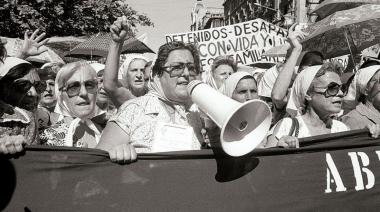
x=143 y=107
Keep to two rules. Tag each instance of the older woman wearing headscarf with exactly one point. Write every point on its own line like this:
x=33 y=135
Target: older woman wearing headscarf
x=222 y=67
x=129 y=81
x=366 y=90
x=45 y=112
x=76 y=87
x=240 y=86
x=20 y=87
x=132 y=71
x=155 y=121
x=314 y=101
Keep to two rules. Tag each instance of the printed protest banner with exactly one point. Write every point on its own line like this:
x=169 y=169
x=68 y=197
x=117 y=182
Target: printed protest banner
x=246 y=41
x=341 y=59
x=334 y=172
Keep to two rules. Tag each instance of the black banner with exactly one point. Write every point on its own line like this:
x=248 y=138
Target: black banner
x=332 y=172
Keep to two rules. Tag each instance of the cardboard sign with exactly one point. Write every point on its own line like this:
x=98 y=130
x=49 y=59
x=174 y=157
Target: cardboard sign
x=172 y=137
x=246 y=41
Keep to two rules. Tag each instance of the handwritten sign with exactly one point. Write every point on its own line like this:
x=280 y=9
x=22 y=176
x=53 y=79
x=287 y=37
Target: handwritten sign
x=246 y=41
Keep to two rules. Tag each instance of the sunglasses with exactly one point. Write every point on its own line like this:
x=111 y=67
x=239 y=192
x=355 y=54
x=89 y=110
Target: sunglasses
x=73 y=89
x=178 y=69
x=23 y=86
x=333 y=90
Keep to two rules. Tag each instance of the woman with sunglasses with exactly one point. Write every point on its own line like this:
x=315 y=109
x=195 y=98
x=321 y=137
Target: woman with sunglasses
x=20 y=87
x=76 y=88
x=314 y=101
x=366 y=89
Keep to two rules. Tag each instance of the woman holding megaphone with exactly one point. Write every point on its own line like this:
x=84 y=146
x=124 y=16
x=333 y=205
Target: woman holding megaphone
x=160 y=120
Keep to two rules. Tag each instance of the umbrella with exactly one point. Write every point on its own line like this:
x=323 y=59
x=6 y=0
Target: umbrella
x=345 y=32
x=329 y=7
x=13 y=45
x=61 y=45
x=98 y=46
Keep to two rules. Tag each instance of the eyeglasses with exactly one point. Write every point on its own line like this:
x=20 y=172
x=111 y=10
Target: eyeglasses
x=73 y=89
x=178 y=69
x=333 y=90
x=23 y=86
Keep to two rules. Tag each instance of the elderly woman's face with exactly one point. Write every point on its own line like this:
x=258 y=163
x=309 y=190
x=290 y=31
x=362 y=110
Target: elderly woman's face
x=221 y=73
x=80 y=93
x=27 y=91
x=48 y=97
x=135 y=74
x=102 y=94
x=175 y=87
x=245 y=90
x=323 y=102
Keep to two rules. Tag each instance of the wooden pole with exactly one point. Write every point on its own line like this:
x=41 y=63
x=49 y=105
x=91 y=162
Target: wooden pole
x=301 y=14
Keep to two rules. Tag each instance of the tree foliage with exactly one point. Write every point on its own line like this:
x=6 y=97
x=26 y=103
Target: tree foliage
x=64 y=17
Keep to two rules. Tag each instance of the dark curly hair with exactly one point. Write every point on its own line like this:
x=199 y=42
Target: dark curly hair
x=312 y=58
x=164 y=51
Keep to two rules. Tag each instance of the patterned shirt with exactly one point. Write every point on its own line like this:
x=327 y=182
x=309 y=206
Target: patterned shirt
x=139 y=117
x=55 y=136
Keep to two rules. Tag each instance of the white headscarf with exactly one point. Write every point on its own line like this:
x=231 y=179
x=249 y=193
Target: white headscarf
x=296 y=102
x=209 y=79
x=155 y=89
x=359 y=84
x=231 y=82
x=122 y=75
x=9 y=63
x=61 y=108
x=98 y=66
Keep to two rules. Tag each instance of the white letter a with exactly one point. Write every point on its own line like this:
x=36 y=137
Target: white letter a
x=333 y=171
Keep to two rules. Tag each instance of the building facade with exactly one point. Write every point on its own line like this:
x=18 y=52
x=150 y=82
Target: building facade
x=206 y=17
x=236 y=11
x=280 y=12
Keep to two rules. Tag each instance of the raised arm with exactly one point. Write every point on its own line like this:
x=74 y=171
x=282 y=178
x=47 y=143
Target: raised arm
x=118 y=94
x=32 y=45
x=284 y=78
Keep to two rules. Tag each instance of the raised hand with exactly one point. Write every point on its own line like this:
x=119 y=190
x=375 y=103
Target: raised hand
x=32 y=45
x=120 y=29
x=11 y=144
x=288 y=142
x=295 y=36
x=374 y=129
x=123 y=153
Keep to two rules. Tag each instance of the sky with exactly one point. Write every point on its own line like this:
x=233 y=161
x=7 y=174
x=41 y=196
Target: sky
x=168 y=16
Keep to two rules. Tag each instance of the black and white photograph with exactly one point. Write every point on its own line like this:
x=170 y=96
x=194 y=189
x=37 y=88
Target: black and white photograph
x=189 y=105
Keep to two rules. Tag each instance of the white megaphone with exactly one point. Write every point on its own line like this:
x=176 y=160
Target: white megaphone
x=244 y=125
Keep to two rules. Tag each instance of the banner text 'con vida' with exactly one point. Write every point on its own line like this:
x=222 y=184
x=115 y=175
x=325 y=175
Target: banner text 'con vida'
x=246 y=42
x=364 y=177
